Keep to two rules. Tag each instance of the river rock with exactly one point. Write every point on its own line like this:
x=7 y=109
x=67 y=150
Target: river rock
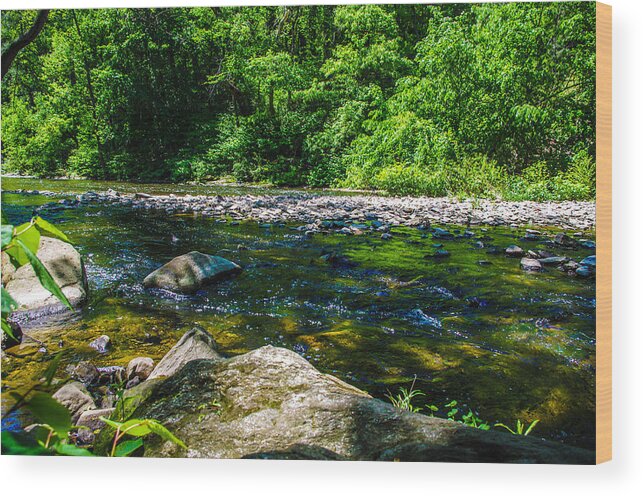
x=187 y=273
x=514 y=251
x=91 y=418
x=553 y=260
x=589 y=262
x=100 y=344
x=75 y=397
x=195 y=344
x=85 y=372
x=66 y=267
x=530 y=265
x=563 y=240
x=272 y=403
x=140 y=367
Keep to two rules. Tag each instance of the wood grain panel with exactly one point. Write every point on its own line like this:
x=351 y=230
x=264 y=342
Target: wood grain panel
x=603 y=232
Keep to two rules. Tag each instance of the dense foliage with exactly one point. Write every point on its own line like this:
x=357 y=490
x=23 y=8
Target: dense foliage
x=483 y=100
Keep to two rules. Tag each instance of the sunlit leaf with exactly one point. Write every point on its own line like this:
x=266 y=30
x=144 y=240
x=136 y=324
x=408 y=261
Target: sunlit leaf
x=49 y=229
x=162 y=431
x=43 y=275
x=136 y=427
x=27 y=238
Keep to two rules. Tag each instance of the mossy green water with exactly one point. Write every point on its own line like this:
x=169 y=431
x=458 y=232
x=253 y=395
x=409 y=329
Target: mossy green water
x=506 y=343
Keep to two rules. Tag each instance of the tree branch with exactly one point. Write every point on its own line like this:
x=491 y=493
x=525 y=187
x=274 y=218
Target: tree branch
x=23 y=40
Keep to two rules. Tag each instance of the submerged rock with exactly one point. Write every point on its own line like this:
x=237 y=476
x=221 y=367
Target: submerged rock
x=66 y=267
x=272 y=403
x=187 y=273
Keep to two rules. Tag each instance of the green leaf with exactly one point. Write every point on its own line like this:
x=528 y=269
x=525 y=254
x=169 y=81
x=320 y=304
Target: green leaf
x=71 y=450
x=162 y=431
x=136 y=427
x=6 y=328
x=128 y=447
x=7 y=234
x=50 y=371
x=49 y=230
x=48 y=411
x=112 y=423
x=531 y=426
x=21 y=443
x=27 y=238
x=43 y=275
x=8 y=303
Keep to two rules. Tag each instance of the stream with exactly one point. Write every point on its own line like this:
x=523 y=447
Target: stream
x=471 y=327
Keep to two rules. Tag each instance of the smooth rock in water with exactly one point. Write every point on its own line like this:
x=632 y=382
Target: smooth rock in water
x=589 y=262
x=66 y=267
x=387 y=236
x=100 y=344
x=274 y=404
x=514 y=251
x=140 y=367
x=440 y=254
x=553 y=260
x=584 y=271
x=91 y=418
x=111 y=374
x=195 y=344
x=530 y=265
x=85 y=372
x=562 y=239
x=187 y=273
x=442 y=234
x=590 y=245
x=75 y=397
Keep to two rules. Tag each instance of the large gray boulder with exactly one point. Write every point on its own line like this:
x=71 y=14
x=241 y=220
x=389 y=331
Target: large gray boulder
x=65 y=265
x=271 y=403
x=187 y=273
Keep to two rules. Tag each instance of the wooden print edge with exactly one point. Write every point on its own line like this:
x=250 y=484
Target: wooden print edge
x=603 y=232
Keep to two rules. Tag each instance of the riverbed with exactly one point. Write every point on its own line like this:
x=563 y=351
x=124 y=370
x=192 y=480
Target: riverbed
x=376 y=312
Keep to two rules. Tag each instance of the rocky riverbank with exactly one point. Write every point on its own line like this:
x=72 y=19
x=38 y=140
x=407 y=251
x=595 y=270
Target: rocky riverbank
x=312 y=209
x=272 y=403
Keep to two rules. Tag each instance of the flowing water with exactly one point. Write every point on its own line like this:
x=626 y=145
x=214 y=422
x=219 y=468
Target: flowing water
x=505 y=343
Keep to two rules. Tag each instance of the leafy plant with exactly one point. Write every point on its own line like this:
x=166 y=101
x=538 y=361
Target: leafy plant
x=21 y=245
x=404 y=399
x=522 y=429
x=51 y=434
x=137 y=428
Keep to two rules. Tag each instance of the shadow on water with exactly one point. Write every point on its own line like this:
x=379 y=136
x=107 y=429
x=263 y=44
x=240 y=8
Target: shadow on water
x=505 y=343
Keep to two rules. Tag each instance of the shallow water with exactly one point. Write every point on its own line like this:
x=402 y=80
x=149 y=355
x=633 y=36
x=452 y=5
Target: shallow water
x=503 y=342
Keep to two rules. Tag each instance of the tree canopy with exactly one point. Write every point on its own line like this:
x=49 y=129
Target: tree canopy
x=476 y=99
